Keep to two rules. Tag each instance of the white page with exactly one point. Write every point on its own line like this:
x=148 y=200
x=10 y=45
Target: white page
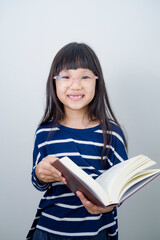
x=137 y=186
x=132 y=170
x=113 y=177
x=107 y=178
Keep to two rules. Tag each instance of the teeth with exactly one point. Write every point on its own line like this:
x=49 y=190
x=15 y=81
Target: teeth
x=75 y=97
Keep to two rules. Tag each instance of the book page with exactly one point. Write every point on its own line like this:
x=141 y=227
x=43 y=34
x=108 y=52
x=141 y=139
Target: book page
x=117 y=176
x=137 y=185
x=132 y=171
x=137 y=178
x=107 y=178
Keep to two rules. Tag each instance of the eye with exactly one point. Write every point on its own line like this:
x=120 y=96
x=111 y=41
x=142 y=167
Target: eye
x=65 y=77
x=85 y=77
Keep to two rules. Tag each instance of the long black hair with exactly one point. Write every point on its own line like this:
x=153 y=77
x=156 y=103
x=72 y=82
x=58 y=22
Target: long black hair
x=72 y=56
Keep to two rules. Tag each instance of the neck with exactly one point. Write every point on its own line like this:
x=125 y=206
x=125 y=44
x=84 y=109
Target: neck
x=77 y=119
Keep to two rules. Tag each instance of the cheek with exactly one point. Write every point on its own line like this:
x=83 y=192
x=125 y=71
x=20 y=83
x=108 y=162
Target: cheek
x=92 y=91
x=59 y=92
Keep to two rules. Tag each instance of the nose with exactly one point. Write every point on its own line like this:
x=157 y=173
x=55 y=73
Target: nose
x=75 y=84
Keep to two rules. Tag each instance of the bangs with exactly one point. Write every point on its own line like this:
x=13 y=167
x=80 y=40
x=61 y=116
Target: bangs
x=74 y=56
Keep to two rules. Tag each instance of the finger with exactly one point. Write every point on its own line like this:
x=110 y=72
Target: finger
x=92 y=208
x=50 y=159
x=81 y=196
x=87 y=204
x=47 y=166
x=47 y=177
x=46 y=169
x=48 y=173
x=84 y=200
x=45 y=173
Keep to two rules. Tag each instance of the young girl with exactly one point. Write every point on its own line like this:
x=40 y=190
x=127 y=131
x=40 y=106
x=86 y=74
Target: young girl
x=78 y=122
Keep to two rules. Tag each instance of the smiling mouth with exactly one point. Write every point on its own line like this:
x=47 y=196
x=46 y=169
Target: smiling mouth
x=75 y=97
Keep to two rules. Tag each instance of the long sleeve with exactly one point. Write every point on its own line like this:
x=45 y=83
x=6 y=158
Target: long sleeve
x=37 y=157
x=117 y=152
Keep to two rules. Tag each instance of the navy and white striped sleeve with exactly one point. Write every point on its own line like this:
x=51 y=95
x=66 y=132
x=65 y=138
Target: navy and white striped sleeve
x=118 y=145
x=120 y=148
x=37 y=157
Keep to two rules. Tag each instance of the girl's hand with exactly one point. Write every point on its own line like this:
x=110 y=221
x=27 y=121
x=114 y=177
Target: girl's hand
x=91 y=208
x=45 y=172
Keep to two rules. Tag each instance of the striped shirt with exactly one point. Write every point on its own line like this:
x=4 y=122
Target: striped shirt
x=60 y=211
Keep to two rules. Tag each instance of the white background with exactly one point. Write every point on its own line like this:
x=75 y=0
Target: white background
x=126 y=37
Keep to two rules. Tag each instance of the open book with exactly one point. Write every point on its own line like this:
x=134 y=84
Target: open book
x=113 y=186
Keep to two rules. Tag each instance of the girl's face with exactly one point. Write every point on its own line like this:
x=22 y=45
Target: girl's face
x=75 y=88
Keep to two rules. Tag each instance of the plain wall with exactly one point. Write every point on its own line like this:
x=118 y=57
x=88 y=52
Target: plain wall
x=125 y=35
